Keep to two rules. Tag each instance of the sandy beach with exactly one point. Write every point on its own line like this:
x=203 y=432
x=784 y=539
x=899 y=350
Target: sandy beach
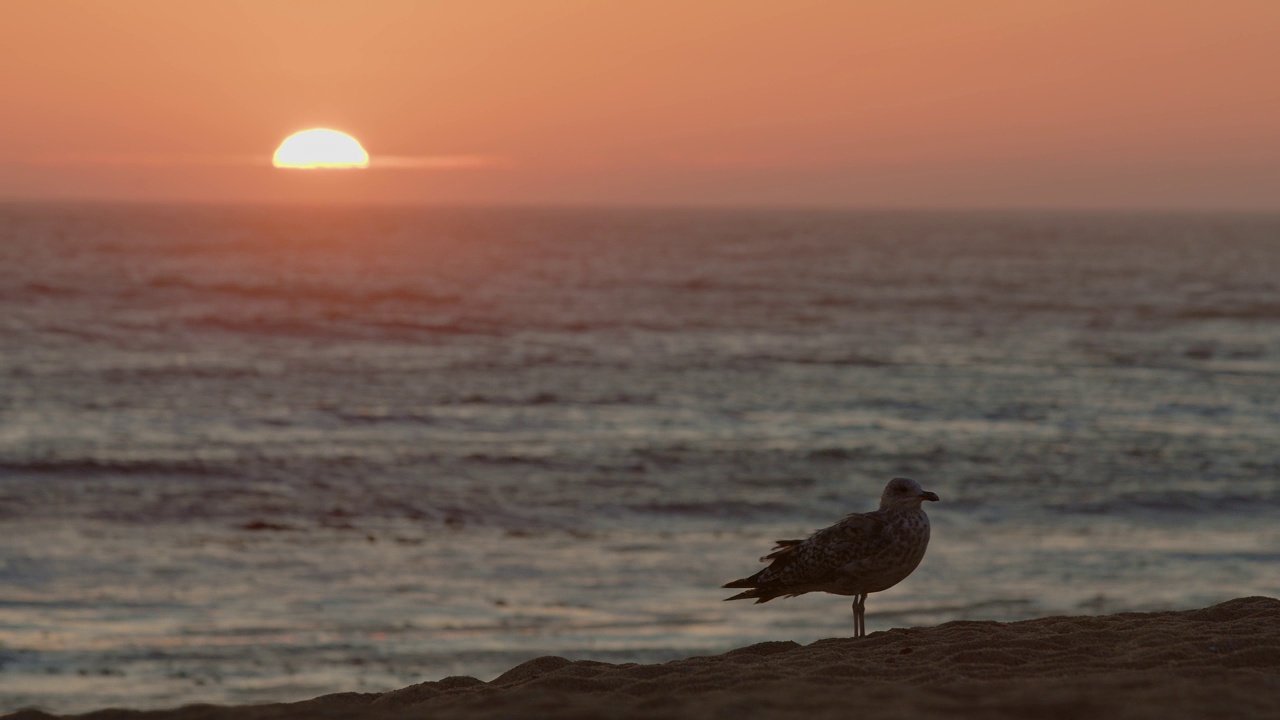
x=1219 y=661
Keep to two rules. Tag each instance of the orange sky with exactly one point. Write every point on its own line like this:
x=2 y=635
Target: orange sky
x=868 y=103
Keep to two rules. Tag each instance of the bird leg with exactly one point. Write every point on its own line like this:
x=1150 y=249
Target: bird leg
x=860 y=615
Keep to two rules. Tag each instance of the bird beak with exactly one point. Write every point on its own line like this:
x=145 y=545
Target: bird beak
x=929 y=496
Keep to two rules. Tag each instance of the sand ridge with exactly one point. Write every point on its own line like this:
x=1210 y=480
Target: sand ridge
x=1220 y=661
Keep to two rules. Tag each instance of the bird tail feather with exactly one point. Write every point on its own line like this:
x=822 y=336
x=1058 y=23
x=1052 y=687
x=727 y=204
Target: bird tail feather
x=760 y=595
x=764 y=594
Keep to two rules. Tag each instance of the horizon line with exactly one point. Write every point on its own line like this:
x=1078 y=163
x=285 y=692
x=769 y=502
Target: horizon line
x=658 y=206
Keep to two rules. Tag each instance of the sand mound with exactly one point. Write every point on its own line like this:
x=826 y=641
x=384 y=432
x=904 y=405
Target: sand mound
x=1221 y=661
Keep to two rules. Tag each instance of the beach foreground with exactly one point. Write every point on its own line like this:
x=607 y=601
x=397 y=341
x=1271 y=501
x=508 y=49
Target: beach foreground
x=1220 y=661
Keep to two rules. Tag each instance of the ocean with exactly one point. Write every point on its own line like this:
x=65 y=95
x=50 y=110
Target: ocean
x=255 y=454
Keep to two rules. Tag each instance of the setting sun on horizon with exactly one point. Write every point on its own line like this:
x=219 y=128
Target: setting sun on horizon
x=320 y=148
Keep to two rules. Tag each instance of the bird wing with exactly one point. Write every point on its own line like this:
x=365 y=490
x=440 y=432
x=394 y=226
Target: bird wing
x=821 y=556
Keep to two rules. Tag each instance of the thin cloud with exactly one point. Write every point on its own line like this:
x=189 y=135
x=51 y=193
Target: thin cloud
x=403 y=162
x=139 y=160
x=436 y=162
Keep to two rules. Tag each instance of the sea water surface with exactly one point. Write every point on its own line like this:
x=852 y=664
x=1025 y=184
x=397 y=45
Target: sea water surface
x=263 y=454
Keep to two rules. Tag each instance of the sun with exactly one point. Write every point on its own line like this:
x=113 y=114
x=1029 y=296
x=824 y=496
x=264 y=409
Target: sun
x=320 y=148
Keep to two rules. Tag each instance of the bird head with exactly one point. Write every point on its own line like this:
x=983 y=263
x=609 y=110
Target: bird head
x=904 y=493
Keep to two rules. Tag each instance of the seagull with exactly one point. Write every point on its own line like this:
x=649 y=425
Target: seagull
x=861 y=554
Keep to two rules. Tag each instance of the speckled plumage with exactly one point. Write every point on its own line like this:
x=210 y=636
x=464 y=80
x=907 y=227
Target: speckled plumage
x=861 y=554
